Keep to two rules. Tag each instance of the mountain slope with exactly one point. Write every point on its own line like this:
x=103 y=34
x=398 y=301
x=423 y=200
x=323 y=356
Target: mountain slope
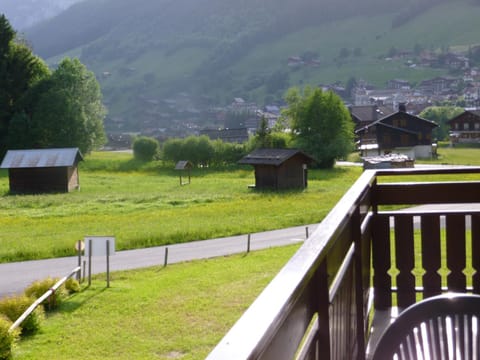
x=144 y=51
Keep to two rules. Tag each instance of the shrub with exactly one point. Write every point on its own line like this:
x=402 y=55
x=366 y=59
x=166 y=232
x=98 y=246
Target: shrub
x=14 y=306
x=72 y=286
x=40 y=287
x=7 y=339
x=145 y=148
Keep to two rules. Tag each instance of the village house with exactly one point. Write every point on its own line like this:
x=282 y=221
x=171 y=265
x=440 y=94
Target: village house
x=465 y=128
x=279 y=169
x=399 y=132
x=398 y=84
x=438 y=85
x=455 y=61
x=239 y=135
x=42 y=170
x=364 y=115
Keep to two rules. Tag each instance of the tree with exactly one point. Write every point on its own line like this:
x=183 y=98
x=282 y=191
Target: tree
x=67 y=109
x=350 y=86
x=321 y=124
x=172 y=150
x=198 y=149
x=39 y=108
x=262 y=136
x=145 y=148
x=441 y=114
x=20 y=70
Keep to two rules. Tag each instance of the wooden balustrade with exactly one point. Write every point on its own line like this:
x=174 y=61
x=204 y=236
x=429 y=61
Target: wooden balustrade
x=318 y=306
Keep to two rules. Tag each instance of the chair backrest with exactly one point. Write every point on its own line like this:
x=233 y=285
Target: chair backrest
x=441 y=327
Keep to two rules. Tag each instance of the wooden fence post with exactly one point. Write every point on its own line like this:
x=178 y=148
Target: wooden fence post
x=165 y=261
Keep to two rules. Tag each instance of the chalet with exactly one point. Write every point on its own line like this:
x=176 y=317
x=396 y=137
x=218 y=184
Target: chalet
x=227 y=135
x=364 y=115
x=398 y=84
x=295 y=61
x=465 y=128
x=279 y=169
x=455 y=61
x=42 y=170
x=400 y=132
x=438 y=85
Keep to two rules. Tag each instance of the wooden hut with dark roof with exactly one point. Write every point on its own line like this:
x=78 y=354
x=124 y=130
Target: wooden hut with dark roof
x=279 y=169
x=43 y=170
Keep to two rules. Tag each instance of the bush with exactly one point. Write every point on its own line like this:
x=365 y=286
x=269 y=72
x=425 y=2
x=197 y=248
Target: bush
x=72 y=286
x=13 y=307
x=145 y=148
x=7 y=339
x=40 y=287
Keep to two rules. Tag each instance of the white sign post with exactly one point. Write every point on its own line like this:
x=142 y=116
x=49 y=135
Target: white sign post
x=99 y=246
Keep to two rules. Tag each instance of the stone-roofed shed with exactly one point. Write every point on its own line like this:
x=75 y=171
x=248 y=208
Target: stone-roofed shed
x=279 y=168
x=43 y=170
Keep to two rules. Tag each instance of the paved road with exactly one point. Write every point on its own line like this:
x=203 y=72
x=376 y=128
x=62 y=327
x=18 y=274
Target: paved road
x=14 y=277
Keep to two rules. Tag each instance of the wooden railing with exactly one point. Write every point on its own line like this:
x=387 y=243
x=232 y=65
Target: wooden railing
x=50 y=292
x=319 y=305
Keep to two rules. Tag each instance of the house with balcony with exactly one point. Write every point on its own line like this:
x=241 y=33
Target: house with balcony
x=465 y=128
x=365 y=115
x=399 y=132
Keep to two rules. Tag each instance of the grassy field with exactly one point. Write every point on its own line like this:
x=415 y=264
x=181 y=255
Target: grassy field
x=143 y=205
x=183 y=310
x=177 y=312
x=457 y=156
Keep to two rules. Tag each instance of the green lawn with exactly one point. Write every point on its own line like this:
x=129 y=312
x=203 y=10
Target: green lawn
x=458 y=155
x=178 y=312
x=143 y=205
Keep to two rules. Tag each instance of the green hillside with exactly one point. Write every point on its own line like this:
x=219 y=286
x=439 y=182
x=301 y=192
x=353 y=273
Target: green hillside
x=214 y=50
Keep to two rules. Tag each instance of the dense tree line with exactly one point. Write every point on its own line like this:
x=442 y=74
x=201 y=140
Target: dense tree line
x=202 y=151
x=40 y=108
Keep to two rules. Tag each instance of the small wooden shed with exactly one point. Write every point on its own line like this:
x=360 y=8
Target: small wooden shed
x=279 y=168
x=43 y=170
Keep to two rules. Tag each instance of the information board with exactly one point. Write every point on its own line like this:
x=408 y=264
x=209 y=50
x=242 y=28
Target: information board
x=99 y=245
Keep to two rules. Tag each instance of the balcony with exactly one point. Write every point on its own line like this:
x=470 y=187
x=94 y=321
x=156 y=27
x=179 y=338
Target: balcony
x=375 y=253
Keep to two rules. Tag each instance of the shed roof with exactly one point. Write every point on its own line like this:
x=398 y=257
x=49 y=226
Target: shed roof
x=272 y=156
x=39 y=158
x=183 y=164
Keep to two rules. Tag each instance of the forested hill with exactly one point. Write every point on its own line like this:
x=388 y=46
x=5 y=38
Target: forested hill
x=160 y=23
x=146 y=51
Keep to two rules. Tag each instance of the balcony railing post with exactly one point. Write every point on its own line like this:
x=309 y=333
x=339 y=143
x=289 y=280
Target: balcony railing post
x=381 y=262
x=475 y=221
x=323 y=313
x=359 y=286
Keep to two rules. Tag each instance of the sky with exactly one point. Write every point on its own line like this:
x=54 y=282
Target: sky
x=25 y=13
